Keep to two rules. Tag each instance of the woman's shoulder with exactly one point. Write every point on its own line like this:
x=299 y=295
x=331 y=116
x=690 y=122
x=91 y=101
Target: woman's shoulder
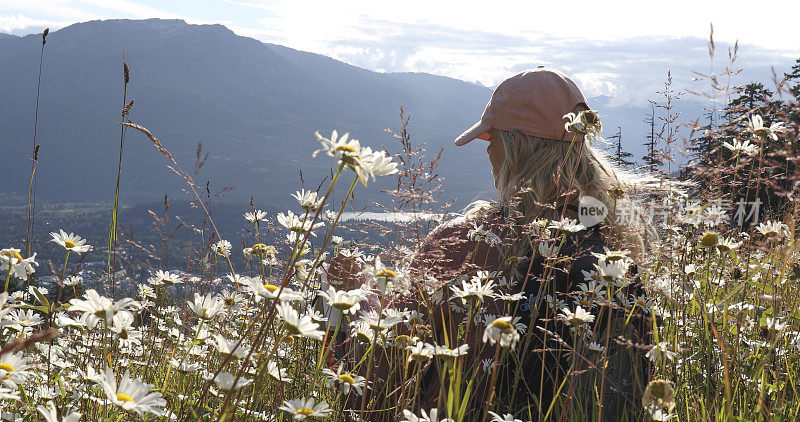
x=468 y=225
x=455 y=246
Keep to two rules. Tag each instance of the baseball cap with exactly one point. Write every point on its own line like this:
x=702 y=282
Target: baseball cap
x=533 y=102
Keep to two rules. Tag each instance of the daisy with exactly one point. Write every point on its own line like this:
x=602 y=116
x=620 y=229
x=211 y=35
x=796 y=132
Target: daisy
x=73 y=280
x=241 y=280
x=131 y=394
x=503 y=331
x=346 y=151
x=222 y=248
x=612 y=255
x=403 y=341
x=610 y=271
x=18 y=266
x=447 y=352
x=709 y=239
x=727 y=244
x=296 y=325
x=566 y=225
x=756 y=125
x=741 y=147
x=51 y=414
x=376 y=163
x=308 y=200
x=13 y=369
x=71 y=242
x=62 y=319
x=225 y=381
x=185 y=366
x=659 y=394
x=347 y=380
x=479 y=234
x=596 y=347
x=255 y=216
x=295 y=224
x=96 y=308
x=277 y=373
x=548 y=249
x=379 y=322
x=641 y=301
x=420 y=352
x=505 y=418
x=660 y=351
x=228 y=347
x=662 y=416
x=271 y=291
x=123 y=327
x=146 y=291
x=431 y=416
x=9 y=394
x=346 y=301
x=384 y=277
x=206 y=307
x=24 y=318
x=773 y=229
x=164 y=278
x=555 y=303
x=473 y=289
x=577 y=318
x=586 y=122
x=305 y=408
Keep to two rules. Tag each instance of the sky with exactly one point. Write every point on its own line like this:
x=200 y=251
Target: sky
x=619 y=49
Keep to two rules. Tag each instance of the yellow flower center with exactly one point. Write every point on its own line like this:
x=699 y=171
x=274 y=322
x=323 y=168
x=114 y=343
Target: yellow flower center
x=13 y=254
x=386 y=273
x=229 y=301
x=347 y=148
x=292 y=330
x=124 y=397
x=271 y=287
x=502 y=324
x=347 y=378
x=259 y=248
x=8 y=368
x=402 y=341
x=69 y=244
x=709 y=239
x=305 y=411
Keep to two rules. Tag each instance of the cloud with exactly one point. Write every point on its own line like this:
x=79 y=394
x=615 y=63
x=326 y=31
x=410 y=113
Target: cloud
x=618 y=51
x=19 y=24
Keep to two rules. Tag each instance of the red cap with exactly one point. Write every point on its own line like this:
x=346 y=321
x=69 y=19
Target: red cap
x=533 y=102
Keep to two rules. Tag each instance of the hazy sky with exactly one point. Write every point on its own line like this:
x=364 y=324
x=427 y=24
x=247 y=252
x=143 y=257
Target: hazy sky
x=620 y=49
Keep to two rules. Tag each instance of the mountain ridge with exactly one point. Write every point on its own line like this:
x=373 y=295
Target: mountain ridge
x=254 y=106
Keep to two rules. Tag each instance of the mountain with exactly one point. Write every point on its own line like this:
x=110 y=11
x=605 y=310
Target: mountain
x=254 y=107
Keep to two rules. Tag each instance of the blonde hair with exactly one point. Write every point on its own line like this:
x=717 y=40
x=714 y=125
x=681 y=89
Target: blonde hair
x=537 y=174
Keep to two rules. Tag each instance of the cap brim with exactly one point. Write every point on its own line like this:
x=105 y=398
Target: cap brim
x=478 y=130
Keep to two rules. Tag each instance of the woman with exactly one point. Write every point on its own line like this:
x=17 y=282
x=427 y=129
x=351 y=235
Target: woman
x=523 y=258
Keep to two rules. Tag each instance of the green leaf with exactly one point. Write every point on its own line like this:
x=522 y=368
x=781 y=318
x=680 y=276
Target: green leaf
x=42 y=300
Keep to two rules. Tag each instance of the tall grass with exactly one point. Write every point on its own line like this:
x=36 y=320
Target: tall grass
x=705 y=326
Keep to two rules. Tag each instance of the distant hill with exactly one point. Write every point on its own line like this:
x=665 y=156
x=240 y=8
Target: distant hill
x=254 y=106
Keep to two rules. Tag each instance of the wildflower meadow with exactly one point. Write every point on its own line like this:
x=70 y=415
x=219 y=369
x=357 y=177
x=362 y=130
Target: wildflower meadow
x=701 y=321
